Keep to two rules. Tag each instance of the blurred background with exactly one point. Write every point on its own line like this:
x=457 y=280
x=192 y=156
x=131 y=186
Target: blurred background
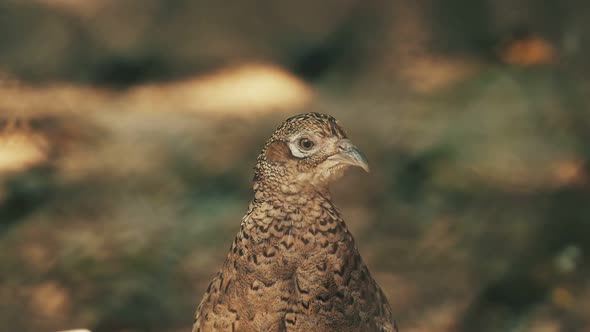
x=129 y=130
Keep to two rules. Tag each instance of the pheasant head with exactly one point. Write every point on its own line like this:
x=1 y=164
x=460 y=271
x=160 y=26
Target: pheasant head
x=306 y=153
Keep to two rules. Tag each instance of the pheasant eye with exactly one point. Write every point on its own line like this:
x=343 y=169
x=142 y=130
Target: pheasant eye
x=306 y=143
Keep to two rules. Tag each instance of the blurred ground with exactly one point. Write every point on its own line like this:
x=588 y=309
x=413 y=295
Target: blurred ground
x=130 y=129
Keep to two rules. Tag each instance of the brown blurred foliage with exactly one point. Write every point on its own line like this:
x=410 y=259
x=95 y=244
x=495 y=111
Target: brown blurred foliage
x=128 y=133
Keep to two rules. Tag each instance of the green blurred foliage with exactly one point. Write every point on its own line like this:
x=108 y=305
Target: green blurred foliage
x=473 y=115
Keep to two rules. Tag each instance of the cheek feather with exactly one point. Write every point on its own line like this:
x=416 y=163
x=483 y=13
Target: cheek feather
x=278 y=152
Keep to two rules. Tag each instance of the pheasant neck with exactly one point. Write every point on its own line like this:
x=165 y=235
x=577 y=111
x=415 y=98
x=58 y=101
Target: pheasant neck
x=290 y=193
x=304 y=213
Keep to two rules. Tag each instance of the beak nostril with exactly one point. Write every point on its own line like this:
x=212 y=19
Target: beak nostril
x=350 y=155
x=344 y=145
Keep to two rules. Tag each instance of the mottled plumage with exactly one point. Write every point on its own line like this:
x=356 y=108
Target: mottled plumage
x=293 y=265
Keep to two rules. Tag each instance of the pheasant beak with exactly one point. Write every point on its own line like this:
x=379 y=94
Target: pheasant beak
x=348 y=154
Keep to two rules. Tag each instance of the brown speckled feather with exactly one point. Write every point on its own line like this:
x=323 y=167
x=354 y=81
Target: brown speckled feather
x=294 y=265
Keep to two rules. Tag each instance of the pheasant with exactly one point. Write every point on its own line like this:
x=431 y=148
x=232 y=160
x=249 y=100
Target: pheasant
x=294 y=266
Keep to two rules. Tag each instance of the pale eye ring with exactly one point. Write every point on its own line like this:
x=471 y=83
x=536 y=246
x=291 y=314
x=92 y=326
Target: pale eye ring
x=306 y=144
